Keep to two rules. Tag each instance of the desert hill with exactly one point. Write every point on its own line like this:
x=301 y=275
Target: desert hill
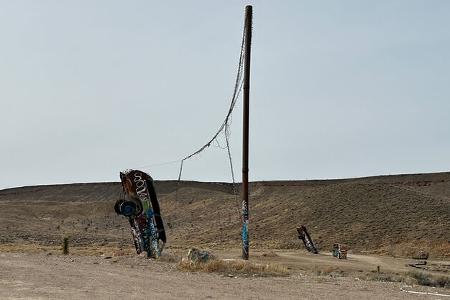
x=395 y=215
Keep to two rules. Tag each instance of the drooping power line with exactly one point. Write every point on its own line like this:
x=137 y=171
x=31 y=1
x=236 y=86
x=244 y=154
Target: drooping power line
x=224 y=127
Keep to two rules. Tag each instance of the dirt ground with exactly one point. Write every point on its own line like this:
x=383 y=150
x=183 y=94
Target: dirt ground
x=44 y=276
x=380 y=218
x=390 y=215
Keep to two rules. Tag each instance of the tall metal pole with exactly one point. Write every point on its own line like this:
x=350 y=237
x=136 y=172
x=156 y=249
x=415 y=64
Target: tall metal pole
x=245 y=208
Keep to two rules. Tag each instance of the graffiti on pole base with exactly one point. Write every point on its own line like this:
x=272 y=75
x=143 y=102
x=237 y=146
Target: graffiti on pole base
x=244 y=233
x=245 y=236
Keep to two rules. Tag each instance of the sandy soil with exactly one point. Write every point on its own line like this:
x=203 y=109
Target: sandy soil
x=41 y=276
x=391 y=215
x=387 y=215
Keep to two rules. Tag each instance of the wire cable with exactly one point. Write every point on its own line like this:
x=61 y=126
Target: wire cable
x=237 y=90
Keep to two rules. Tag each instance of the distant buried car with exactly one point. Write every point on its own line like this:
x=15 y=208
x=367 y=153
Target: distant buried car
x=340 y=251
x=140 y=205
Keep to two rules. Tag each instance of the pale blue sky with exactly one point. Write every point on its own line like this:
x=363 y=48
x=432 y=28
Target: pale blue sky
x=339 y=88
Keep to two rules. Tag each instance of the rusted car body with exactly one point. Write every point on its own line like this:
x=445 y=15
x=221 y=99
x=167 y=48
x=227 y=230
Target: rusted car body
x=307 y=240
x=140 y=205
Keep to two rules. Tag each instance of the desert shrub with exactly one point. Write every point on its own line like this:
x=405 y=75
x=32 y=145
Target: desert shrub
x=269 y=254
x=422 y=278
x=430 y=280
x=384 y=277
x=233 y=267
x=170 y=258
x=329 y=271
x=443 y=281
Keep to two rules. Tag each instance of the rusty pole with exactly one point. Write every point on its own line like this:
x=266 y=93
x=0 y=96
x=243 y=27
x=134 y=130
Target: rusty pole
x=245 y=207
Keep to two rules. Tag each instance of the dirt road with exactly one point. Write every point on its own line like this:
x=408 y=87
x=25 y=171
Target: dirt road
x=41 y=276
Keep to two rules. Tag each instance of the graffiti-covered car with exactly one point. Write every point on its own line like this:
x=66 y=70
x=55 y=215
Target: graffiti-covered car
x=140 y=205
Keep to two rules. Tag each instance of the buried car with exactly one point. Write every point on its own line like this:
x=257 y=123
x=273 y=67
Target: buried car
x=140 y=205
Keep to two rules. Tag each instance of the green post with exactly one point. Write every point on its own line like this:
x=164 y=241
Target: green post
x=66 y=246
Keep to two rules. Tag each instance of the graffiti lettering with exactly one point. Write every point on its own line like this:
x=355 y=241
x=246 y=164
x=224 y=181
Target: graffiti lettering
x=141 y=187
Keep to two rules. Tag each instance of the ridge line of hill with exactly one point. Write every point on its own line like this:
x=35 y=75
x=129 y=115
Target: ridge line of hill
x=390 y=179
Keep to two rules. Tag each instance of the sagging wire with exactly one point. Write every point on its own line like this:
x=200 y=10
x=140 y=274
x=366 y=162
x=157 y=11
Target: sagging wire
x=224 y=127
x=237 y=90
x=227 y=139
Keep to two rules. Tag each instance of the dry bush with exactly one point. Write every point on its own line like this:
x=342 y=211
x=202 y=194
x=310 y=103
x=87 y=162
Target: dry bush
x=430 y=280
x=384 y=277
x=422 y=278
x=443 y=281
x=234 y=267
x=29 y=248
x=169 y=258
x=117 y=253
x=269 y=254
x=414 y=277
x=329 y=271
